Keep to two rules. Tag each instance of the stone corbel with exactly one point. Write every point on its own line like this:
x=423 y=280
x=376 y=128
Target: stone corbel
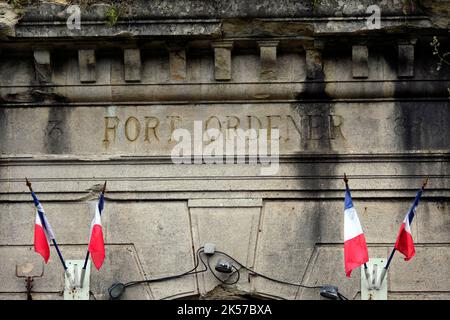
x=42 y=65
x=268 y=59
x=314 y=64
x=222 y=60
x=405 y=63
x=177 y=60
x=132 y=64
x=360 y=61
x=86 y=65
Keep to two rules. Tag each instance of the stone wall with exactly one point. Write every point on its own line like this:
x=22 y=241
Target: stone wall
x=78 y=107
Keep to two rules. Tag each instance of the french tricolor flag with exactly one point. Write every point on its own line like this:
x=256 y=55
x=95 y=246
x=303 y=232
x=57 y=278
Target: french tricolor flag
x=355 y=248
x=96 y=244
x=405 y=243
x=43 y=232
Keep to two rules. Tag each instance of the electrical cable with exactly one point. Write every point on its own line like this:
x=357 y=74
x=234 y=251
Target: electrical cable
x=238 y=275
x=267 y=277
x=92 y=294
x=197 y=259
x=341 y=296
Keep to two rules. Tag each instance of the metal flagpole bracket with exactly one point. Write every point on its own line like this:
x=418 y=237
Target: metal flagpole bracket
x=73 y=288
x=372 y=290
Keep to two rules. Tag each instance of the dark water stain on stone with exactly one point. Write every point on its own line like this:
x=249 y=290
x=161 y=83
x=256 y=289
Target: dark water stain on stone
x=314 y=108
x=57 y=131
x=422 y=125
x=3 y=123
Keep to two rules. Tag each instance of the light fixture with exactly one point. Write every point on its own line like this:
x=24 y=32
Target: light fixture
x=116 y=290
x=224 y=266
x=330 y=292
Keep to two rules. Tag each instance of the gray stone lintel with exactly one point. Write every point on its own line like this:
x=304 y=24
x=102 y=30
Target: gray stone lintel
x=177 y=60
x=42 y=65
x=214 y=203
x=360 y=61
x=132 y=64
x=86 y=62
x=268 y=59
x=222 y=59
x=405 y=64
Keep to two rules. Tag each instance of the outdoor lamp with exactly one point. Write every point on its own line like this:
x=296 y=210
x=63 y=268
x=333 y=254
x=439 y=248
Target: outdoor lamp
x=330 y=292
x=223 y=266
x=116 y=290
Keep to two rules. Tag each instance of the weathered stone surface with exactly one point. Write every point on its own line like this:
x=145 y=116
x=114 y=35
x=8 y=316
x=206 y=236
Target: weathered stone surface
x=438 y=11
x=405 y=60
x=138 y=130
x=132 y=64
x=86 y=63
x=233 y=230
x=52 y=281
x=23 y=215
x=160 y=233
x=410 y=276
x=42 y=65
x=109 y=96
x=177 y=63
x=268 y=60
x=234 y=8
x=360 y=56
x=338 y=84
x=222 y=60
x=419 y=296
x=434 y=222
x=326 y=265
x=233 y=14
x=8 y=20
x=314 y=64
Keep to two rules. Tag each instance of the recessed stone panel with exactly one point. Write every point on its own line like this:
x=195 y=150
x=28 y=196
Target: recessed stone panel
x=147 y=130
x=429 y=268
x=233 y=230
x=70 y=221
x=160 y=234
x=52 y=281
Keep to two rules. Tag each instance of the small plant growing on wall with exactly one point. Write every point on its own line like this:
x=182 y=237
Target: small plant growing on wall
x=113 y=15
x=444 y=57
x=18 y=5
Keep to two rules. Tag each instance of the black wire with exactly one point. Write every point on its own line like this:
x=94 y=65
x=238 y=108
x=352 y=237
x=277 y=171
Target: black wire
x=92 y=294
x=341 y=296
x=238 y=276
x=224 y=281
x=266 y=277
x=197 y=259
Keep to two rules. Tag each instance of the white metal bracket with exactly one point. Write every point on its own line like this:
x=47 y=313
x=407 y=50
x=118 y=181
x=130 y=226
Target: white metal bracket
x=73 y=288
x=371 y=289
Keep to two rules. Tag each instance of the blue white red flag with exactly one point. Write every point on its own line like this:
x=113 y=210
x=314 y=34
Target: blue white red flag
x=355 y=248
x=96 y=243
x=43 y=232
x=405 y=243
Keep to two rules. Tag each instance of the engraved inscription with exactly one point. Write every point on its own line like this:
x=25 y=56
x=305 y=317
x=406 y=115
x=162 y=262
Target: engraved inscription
x=154 y=129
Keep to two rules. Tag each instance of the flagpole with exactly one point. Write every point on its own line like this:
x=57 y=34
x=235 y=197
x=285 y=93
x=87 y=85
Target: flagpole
x=366 y=270
x=86 y=259
x=28 y=183
x=388 y=262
